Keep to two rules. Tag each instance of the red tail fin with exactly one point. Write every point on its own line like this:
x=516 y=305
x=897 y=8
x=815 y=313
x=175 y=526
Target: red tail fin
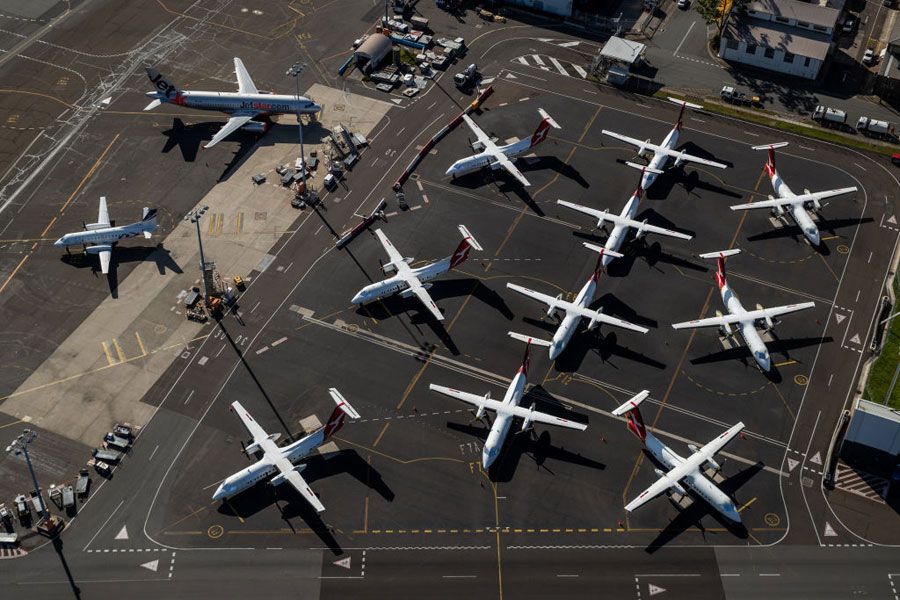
x=598 y=268
x=540 y=134
x=770 y=164
x=460 y=254
x=636 y=424
x=678 y=124
x=335 y=422
x=720 y=274
x=526 y=359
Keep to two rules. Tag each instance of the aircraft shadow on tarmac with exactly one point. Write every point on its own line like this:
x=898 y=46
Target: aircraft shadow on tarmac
x=605 y=347
x=505 y=183
x=291 y=505
x=651 y=253
x=689 y=180
x=121 y=255
x=777 y=345
x=692 y=515
x=794 y=232
x=538 y=447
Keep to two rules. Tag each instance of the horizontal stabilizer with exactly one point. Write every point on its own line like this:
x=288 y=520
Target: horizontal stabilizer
x=343 y=404
x=549 y=119
x=467 y=235
x=719 y=253
x=768 y=146
x=605 y=252
x=640 y=167
x=529 y=340
x=632 y=403
x=153 y=104
x=684 y=103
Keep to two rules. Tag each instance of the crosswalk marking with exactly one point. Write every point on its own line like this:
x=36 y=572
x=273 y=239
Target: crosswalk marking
x=563 y=67
x=537 y=60
x=558 y=66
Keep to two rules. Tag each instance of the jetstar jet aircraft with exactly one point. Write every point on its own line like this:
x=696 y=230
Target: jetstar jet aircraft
x=624 y=221
x=800 y=206
x=246 y=107
x=411 y=282
x=282 y=462
x=686 y=470
x=496 y=157
x=738 y=315
x=663 y=152
x=103 y=236
x=577 y=309
x=507 y=409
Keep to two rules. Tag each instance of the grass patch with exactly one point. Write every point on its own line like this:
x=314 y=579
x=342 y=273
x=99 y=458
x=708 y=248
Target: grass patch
x=407 y=57
x=764 y=117
x=883 y=370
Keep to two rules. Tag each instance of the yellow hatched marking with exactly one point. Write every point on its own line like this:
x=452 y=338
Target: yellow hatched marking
x=109 y=357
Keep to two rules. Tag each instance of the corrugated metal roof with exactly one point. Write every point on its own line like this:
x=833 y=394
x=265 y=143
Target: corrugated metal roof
x=779 y=37
x=623 y=50
x=376 y=47
x=794 y=9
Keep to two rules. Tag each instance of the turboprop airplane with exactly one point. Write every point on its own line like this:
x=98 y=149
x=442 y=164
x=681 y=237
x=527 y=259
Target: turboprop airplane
x=625 y=220
x=249 y=109
x=686 y=470
x=282 y=462
x=497 y=157
x=738 y=315
x=663 y=152
x=411 y=282
x=507 y=409
x=577 y=309
x=102 y=236
x=800 y=206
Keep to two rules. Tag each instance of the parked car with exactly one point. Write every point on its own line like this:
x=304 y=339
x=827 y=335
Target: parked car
x=869 y=57
x=850 y=25
x=384 y=87
x=684 y=4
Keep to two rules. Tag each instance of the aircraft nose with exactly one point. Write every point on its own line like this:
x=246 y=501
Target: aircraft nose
x=487 y=457
x=59 y=243
x=219 y=493
x=813 y=235
x=357 y=299
x=732 y=513
x=764 y=361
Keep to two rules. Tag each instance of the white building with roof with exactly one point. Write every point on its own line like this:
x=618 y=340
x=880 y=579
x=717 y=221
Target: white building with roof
x=788 y=36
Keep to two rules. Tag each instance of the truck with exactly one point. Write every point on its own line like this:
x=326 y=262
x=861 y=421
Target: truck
x=37 y=502
x=870 y=126
x=68 y=498
x=465 y=78
x=83 y=482
x=829 y=116
x=21 y=504
x=115 y=442
x=107 y=455
x=101 y=467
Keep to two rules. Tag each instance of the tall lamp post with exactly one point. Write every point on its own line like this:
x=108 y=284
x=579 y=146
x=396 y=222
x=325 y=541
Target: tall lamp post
x=20 y=446
x=194 y=217
x=295 y=71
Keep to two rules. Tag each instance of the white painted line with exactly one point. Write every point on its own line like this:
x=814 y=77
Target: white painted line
x=401 y=131
x=220 y=350
x=153 y=453
x=729 y=574
x=189 y=396
x=580 y=71
x=698 y=120
x=830 y=377
x=255 y=306
x=263 y=349
x=564 y=575
x=502 y=104
x=288 y=268
x=860 y=166
x=524 y=99
x=770 y=574
x=459 y=576
x=751 y=133
x=806 y=147
x=104 y=523
x=870 y=258
x=537 y=60
x=279 y=341
x=558 y=66
x=568 y=44
x=684 y=38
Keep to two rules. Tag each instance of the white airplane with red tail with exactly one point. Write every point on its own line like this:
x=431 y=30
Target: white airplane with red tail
x=663 y=152
x=680 y=470
x=626 y=219
x=745 y=319
x=787 y=201
x=281 y=463
x=412 y=282
x=497 y=157
x=577 y=309
x=508 y=408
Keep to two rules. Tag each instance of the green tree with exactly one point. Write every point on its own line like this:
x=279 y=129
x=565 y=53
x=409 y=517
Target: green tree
x=716 y=12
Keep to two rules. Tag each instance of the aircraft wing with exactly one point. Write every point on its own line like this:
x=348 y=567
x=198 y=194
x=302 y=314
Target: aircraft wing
x=105 y=257
x=422 y=294
x=801 y=199
x=548 y=300
x=469 y=398
x=710 y=449
x=233 y=124
x=507 y=164
x=599 y=317
x=480 y=135
x=103 y=215
x=395 y=258
x=539 y=417
x=250 y=424
x=245 y=84
x=659 y=486
x=647 y=145
x=287 y=473
x=593 y=212
x=751 y=315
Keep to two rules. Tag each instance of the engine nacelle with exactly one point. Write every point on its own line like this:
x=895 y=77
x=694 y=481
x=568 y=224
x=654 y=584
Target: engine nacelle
x=817 y=206
x=725 y=328
x=408 y=293
x=640 y=230
x=388 y=268
x=593 y=322
x=526 y=423
x=477 y=146
x=643 y=149
x=255 y=126
x=679 y=488
x=712 y=464
x=479 y=414
x=693 y=448
x=552 y=310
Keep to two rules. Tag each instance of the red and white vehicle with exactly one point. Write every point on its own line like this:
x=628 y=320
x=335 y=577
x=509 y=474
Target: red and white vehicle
x=787 y=201
x=412 y=282
x=497 y=157
x=746 y=320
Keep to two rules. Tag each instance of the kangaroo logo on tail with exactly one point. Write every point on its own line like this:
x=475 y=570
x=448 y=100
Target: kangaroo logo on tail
x=720 y=273
x=462 y=250
x=335 y=422
x=543 y=128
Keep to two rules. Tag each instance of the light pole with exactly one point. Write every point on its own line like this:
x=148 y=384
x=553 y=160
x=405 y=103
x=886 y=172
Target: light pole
x=295 y=71
x=20 y=446
x=194 y=217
